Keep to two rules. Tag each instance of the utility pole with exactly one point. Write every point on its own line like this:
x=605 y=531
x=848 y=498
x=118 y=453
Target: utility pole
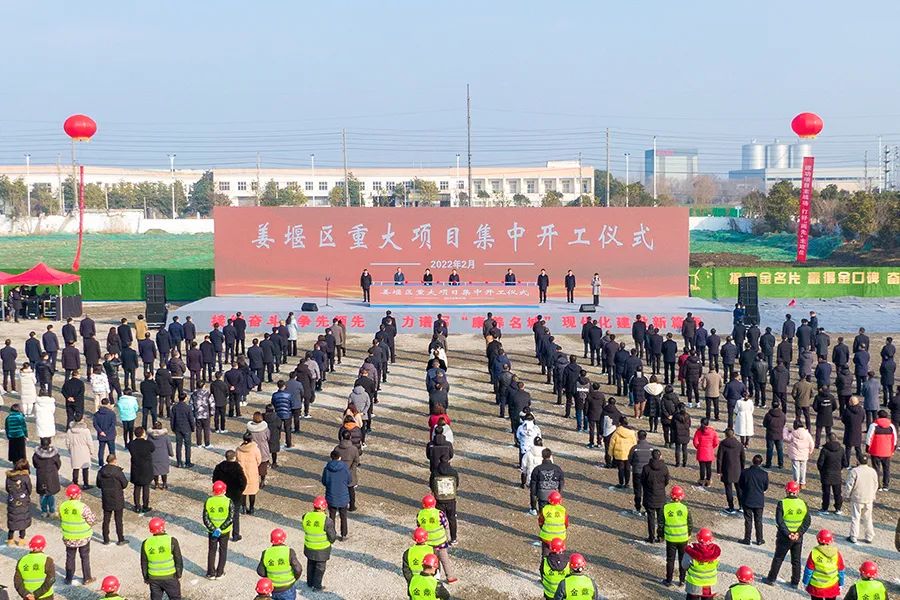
x=457 y=179
x=59 y=190
x=654 y=167
x=257 y=179
x=28 y=186
x=627 y=156
x=172 y=170
x=607 y=167
x=580 y=193
x=469 y=143
x=346 y=184
x=886 y=165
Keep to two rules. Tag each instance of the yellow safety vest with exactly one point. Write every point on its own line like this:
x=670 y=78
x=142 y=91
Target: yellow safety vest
x=579 y=587
x=277 y=561
x=31 y=567
x=73 y=525
x=825 y=574
x=160 y=562
x=551 y=578
x=422 y=587
x=743 y=591
x=703 y=574
x=675 y=519
x=429 y=519
x=793 y=511
x=871 y=589
x=217 y=508
x=314 y=537
x=415 y=554
x=554 y=522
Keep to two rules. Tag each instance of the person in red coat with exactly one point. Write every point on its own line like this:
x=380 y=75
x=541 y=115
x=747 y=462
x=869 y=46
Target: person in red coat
x=706 y=440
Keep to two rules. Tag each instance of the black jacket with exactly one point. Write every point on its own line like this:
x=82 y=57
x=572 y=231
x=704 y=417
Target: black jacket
x=681 y=424
x=753 y=483
x=231 y=474
x=437 y=448
x=840 y=355
x=670 y=351
x=853 y=419
x=830 y=463
x=594 y=405
x=654 y=479
x=141 y=450
x=149 y=393
x=182 y=418
x=730 y=459
x=545 y=478
x=824 y=405
x=112 y=483
x=774 y=422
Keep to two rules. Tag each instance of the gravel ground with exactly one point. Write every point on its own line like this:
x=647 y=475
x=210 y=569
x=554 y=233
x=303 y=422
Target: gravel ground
x=495 y=558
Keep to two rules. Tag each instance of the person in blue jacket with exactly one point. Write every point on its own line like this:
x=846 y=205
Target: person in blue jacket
x=336 y=479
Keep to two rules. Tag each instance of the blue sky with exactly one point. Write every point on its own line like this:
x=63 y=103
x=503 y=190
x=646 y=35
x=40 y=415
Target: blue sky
x=217 y=82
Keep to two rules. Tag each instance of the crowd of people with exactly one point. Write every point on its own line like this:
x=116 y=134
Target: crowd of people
x=193 y=385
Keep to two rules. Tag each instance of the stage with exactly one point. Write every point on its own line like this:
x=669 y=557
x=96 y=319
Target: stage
x=616 y=314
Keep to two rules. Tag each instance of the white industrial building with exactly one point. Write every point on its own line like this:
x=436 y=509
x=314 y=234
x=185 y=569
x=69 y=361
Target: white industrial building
x=491 y=185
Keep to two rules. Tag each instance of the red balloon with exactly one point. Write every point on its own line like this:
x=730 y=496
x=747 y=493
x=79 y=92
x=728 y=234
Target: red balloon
x=807 y=125
x=80 y=127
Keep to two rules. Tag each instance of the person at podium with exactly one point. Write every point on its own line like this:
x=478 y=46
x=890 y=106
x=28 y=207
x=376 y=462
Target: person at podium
x=509 y=278
x=399 y=277
x=365 y=282
x=454 y=277
x=427 y=278
x=570 y=287
x=543 y=282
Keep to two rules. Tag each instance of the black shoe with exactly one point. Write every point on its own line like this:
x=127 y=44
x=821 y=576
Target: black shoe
x=744 y=542
x=122 y=543
x=236 y=538
x=760 y=542
x=189 y=465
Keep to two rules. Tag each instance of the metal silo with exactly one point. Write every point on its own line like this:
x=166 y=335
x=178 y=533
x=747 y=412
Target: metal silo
x=753 y=156
x=798 y=152
x=777 y=155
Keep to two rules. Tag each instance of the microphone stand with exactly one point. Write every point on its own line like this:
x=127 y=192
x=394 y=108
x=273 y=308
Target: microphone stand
x=327 y=286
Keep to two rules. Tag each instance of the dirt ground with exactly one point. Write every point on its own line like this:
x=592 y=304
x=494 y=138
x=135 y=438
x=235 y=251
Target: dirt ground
x=495 y=558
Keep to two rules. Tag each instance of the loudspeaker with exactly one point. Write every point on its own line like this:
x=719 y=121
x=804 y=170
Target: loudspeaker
x=309 y=307
x=587 y=308
x=156 y=314
x=748 y=291
x=155 y=289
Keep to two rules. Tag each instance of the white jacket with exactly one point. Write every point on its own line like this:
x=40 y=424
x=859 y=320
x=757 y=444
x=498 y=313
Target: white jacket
x=448 y=433
x=526 y=433
x=45 y=416
x=27 y=390
x=530 y=460
x=293 y=330
x=100 y=384
x=743 y=418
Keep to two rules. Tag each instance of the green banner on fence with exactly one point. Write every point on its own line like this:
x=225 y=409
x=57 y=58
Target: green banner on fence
x=182 y=285
x=798 y=282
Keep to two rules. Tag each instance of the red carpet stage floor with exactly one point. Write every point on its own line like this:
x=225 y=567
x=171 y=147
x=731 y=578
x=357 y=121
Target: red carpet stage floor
x=616 y=314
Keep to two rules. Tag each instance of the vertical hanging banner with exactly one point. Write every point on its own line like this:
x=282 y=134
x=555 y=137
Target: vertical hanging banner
x=806 y=182
x=76 y=264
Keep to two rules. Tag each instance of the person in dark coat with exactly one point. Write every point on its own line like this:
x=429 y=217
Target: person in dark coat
x=92 y=351
x=860 y=366
x=141 y=450
x=165 y=388
x=438 y=447
x=240 y=327
x=275 y=423
x=87 y=328
x=832 y=459
x=183 y=426
x=336 y=479
x=73 y=392
x=176 y=333
x=112 y=483
x=130 y=364
x=126 y=337
x=595 y=344
x=229 y=334
x=147 y=351
x=51 y=345
x=194 y=363
x=46 y=463
x=149 y=400
x=68 y=331
x=753 y=483
x=767 y=343
x=824 y=405
x=190 y=330
x=163 y=345
x=230 y=473
x=681 y=434
x=593 y=408
x=32 y=349
x=18 y=501
x=350 y=457
x=774 y=422
x=654 y=478
x=113 y=342
x=730 y=461
x=70 y=359
x=854 y=419
x=208 y=354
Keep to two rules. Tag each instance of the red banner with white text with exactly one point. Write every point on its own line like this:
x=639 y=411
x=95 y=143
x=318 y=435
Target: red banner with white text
x=806 y=183
x=290 y=251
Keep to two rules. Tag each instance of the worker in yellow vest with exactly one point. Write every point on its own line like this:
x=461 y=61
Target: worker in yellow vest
x=868 y=587
x=824 y=573
x=792 y=521
x=110 y=588
x=677 y=528
x=412 y=556
x=554 y=567
x=264 y=589
x=318 y=535
x=553 y=521
x=701 y=562
x=76 y=520
x=426 y=583
x=435 y=522
x=743 y=589
x=279 y=564
x=35 y=572
x=161 y=562
x=577 y=584
x=218 y=518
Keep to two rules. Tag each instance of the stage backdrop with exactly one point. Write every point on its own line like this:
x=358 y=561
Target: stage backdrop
x=290 y=251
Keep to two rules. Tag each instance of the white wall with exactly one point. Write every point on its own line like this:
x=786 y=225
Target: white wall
x=720 y=224
x=119 y=221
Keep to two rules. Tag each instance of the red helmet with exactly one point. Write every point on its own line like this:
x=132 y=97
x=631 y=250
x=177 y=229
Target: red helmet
x=278 y=536
x=554 y=497
x=745 y=574
x=577 y=562
x=110 y=584
x=420 y=536
x=430 y=561
x=705 y=536
x=792 y=487
x=73 y=491
x=219 y=488
x=320 y=503
x=157 y=525
x=825 y=536
x=265 y=586
x=557 y=545
x=677 y=494
x=37 y=543
x=869 y=570
x=429 y=501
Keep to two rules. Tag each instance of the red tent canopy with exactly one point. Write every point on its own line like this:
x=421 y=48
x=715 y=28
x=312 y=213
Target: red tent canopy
x=40 y=274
